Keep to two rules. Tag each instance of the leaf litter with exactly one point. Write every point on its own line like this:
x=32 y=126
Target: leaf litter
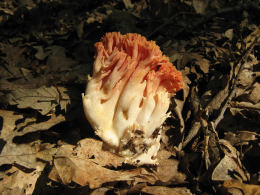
x=210 y=143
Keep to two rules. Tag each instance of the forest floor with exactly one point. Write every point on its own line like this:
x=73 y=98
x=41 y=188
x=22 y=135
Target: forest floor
x=210 y=143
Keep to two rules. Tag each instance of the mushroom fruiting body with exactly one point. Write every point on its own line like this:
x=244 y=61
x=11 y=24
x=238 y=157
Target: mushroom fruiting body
x=128 y=95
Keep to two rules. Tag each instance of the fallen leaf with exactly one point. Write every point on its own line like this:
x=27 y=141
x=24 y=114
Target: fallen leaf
x=241 y=138
x=88 y=164
x=40 y=54
x=128 y=4
x=9 y=119
x=92 y=149
x=229 y=33
x=200 y=6
x=16 y=181
x=29 y=128
x=167 y=169
x=254 y=96
x=24 y=155
x=43 y=99
x=227 y=169
x=200 y=61
x=69 y=167
x=58 y=62
x=248 y=189
x=230 y=166
x=100 y=191
x=13 y=56
x=161 y=190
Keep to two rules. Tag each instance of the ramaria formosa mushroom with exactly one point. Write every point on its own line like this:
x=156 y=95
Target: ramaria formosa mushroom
x=128 y=95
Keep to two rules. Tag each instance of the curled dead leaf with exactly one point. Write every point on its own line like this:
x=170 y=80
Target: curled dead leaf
x=16 y=181
x=77 y=165
x=167 y=169
x=230 y=166
x=161 y=190
x=248 y=189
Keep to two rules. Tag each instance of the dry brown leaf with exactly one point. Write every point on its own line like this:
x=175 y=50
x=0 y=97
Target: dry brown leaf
x=237 y=107
x=88 y=164
x=161 y=190
x=84 y=170
x=229 y=33
x=40 y=54
x=200 y=6
x=11 y=128
x=241 y=137
x=248 y=189
x=54 y=120
x=128 y=4
x=43 y=99
x=252 y=37
x=216 y=102
x=100 y=191
x=9 y=123
x=230 y=167
x=16 y=181
x=246 y=136
x=25 y=155
x=245 y=79
x=180 y=104
x=57 y=60
x=227 y=169
x=92 y=149
x=254 y=96
x=199 y=60
x=167 y=169
x=13 y=56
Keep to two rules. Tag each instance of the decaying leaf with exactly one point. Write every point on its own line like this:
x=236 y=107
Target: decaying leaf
x=254 y=96
x=9 y=119
x=25 y=155
x=161 y=190
x=12 y=128
x=69 y=167
x=230 y=167
x=57 y=60
x=92 y=149
x=88 y=164
x=200 y=6
x=43 y=99
x=167 y=169
x=40 y=126
x=241 y=137
x=100 y=191
x=16 y=181
x=229 y=33
x=13 y=56
x=199 y=60
x=237 y=186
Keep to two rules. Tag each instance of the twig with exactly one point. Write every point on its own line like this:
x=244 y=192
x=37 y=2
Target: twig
x=192 y=133
x=196 y=125
x=243 y=106
x=241 y=64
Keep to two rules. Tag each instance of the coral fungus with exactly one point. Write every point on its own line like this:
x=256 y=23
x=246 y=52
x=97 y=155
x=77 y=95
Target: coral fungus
x=128 y=95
